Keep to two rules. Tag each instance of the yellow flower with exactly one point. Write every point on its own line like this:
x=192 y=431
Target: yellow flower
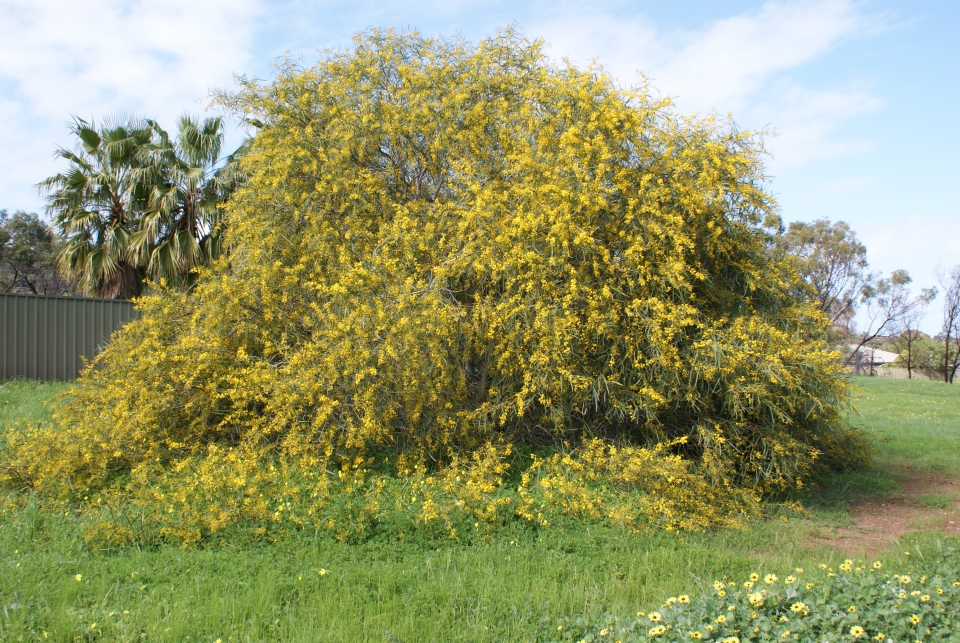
x=721 y=619
x=748 y=585
x=785 y=634
x=809 y=585
x=770 y=579
x=925 y=598
x=754 y=577
x=78 y=577
x=721 y=593
x=852 y=608
x=800 y=608
x=708 y=628
x=323 y=572
x=915 y=593
x=877 y=565
x=670 y=601
x=799 y=570
x=846 y=566
x=683 y=598
x=939 y=590
x=915 y=619
x=657 y=631
x=905 y=580
x=696 y=635
x=655 y=617
x=790 y=580
x=718 y=585
x=856 y=631
x=879 y=637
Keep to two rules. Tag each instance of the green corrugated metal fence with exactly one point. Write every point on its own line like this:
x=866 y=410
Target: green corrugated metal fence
x=44 y=338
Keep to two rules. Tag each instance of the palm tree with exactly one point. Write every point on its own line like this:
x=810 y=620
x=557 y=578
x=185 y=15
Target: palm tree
x=95 y=202
x=135 y=204
x=181 y=226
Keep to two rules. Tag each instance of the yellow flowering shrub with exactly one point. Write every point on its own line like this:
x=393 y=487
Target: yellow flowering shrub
x=444 y=249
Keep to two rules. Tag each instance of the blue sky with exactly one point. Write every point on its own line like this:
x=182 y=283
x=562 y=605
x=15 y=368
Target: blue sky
x=862 y=94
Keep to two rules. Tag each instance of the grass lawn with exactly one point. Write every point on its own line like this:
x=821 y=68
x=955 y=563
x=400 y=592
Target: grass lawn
x=913 y=423
x=516 y=587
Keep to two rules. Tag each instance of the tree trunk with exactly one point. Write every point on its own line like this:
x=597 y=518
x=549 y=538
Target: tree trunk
x=122 y=284
x=909 y=358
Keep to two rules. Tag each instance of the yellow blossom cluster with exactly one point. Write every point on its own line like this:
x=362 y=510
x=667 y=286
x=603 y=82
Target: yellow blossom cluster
x=442 y=249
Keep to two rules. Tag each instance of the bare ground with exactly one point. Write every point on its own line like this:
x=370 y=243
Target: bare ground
x=926 y=501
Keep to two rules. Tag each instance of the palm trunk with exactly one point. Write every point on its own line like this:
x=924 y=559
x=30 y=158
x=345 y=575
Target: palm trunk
x=122 y=284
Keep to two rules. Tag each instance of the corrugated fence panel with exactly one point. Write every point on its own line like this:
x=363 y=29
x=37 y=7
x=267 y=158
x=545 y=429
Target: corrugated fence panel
x=48 y=338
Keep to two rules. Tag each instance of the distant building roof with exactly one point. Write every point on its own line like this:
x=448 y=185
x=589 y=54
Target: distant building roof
x=875 y=356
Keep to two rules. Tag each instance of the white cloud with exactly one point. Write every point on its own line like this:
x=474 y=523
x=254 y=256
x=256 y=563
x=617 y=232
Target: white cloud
x=807 y=122
x=98 y=57
x=722 y=66
x=737 y=64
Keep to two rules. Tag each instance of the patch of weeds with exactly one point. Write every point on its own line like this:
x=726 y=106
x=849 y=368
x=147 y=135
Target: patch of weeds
x=937 y=500
x=836 y=490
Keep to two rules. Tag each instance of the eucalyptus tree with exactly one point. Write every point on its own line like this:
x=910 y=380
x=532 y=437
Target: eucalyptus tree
x=833 y=262
x=97 y=201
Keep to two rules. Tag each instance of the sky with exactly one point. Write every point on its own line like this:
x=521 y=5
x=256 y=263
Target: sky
x=859 y=97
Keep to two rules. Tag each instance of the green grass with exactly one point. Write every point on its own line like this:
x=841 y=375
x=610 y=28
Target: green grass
x=516 y=587
x=23 y=399
x=936 y=500
x=913 y=423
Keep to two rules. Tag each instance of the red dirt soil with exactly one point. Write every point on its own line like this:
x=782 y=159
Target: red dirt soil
x=878 y=522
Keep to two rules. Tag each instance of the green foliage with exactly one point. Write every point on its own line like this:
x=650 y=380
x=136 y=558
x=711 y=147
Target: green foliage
x=857 y=602
x=134 y=204
x=446 y=256
x=28 y=256
x=833 y=264
x=924 y=354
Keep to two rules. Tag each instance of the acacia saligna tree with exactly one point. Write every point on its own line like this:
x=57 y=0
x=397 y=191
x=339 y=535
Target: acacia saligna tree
x=442 y=247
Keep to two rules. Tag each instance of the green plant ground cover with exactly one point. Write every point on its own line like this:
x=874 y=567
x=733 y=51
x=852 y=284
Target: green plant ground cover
x=516 y=587
x=913 y=423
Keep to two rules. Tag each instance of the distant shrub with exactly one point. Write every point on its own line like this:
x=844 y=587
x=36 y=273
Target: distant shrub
x=446 y=256
x=856 y=602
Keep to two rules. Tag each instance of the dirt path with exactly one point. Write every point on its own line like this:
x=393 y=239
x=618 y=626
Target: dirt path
x=927 y=501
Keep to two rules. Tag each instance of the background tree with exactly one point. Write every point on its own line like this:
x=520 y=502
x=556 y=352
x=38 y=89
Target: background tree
x=28 y=256
x=95 y=204
x=950 y=332
x=889 y=305
x=833 y=262
x=910 y=336
x=180 y=228
x=135 y=204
